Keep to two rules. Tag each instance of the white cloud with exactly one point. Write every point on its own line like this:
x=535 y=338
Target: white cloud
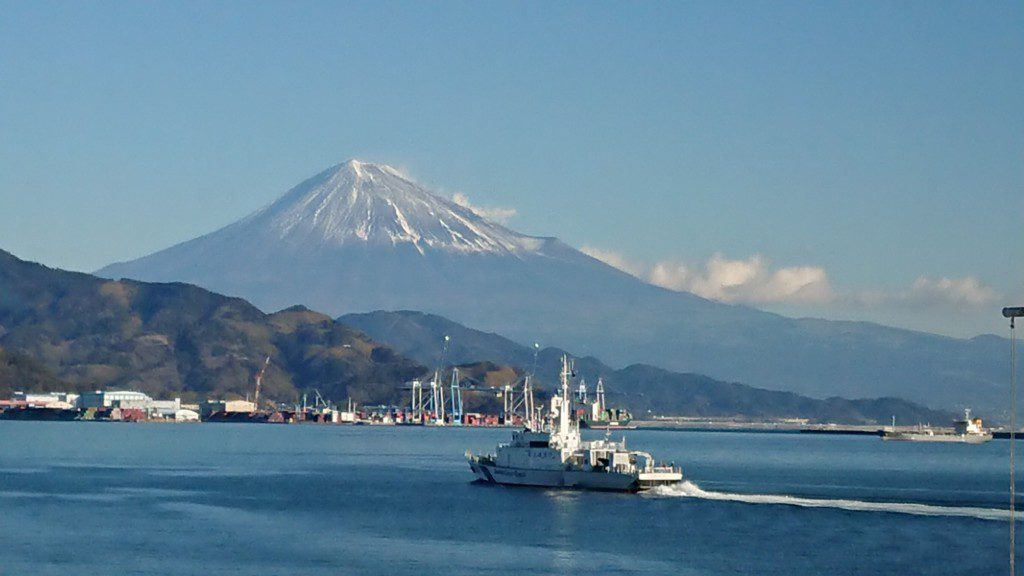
x=750 y=281
x=753 y=280
x=927 y=293
x=956 y=291
x=616 y=260
x=496 y=214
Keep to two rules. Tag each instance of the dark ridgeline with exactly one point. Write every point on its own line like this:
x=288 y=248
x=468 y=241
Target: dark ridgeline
x=638 y=387
x=69 y=330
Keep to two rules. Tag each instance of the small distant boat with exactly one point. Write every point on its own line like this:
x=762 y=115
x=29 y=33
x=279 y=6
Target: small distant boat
x=966 y=431
x=553 y=455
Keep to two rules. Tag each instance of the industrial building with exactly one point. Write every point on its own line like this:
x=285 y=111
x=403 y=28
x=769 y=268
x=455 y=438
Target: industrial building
x=52 y=399
x=114 y=399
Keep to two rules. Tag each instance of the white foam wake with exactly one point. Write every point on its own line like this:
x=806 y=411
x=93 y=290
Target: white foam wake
x=687 y=489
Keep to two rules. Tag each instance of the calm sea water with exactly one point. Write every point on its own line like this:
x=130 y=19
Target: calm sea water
x=263 y=499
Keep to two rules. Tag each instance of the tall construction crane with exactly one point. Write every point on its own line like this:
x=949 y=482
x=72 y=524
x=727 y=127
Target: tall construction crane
x=259 y=380
x=437 y=389
x=456 y=399
x=600 y=396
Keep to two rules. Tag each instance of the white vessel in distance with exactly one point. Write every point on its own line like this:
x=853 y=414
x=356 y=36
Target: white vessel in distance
x=555 y=456
x=966 y=431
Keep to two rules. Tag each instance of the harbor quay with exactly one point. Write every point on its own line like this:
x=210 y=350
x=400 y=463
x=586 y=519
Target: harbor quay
x=135 y=406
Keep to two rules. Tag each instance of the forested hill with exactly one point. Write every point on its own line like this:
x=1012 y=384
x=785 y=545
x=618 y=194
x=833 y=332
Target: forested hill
x=178 y=340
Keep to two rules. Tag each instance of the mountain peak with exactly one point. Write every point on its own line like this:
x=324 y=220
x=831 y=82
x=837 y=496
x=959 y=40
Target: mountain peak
x=366 y=170
x=361 y=202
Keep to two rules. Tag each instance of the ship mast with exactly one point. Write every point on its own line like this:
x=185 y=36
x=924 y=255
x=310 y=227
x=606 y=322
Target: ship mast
x=529 y=413
x=565 y=404
x=528 y=406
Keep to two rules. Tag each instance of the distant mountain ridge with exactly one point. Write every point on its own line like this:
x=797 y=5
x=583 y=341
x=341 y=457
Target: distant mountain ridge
x=66 y=330
x=644 y=389
x=360 y=237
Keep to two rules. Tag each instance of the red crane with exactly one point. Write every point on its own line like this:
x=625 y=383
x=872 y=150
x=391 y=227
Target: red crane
x=259 y=380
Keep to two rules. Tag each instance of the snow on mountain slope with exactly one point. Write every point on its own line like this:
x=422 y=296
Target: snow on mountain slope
x=359 y=202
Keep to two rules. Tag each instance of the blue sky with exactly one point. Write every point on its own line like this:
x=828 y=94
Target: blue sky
x=838 y=159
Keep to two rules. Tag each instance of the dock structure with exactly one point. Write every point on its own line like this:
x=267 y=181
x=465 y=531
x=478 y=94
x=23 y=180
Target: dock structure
x=525 y=403
x=508 y=401
x=437 y=401
x=456 y=399
x=416 y=405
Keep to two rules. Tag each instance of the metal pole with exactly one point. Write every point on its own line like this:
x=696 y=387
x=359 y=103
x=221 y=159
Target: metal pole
x=1013 y=314
x=536 y=351
x=1013 y=436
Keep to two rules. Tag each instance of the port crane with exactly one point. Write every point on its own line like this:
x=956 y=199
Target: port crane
x=456 y=399
x=318 y=401
x=581 y=394
x=433 y=404
x=434 y=408
x=259 y=381
x=416 y=406
x=436 y=402
x=525 y=402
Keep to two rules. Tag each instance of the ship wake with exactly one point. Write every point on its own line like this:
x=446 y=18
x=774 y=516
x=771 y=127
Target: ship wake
x=687 y=489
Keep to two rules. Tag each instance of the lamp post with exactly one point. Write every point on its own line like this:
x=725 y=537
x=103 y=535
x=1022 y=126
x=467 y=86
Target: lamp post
x=1013 y=313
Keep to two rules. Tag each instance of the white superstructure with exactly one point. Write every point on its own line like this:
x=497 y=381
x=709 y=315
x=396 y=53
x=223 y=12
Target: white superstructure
x=555 y=456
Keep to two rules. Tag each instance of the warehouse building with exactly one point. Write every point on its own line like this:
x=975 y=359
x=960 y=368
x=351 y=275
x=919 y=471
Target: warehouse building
x=114 y=399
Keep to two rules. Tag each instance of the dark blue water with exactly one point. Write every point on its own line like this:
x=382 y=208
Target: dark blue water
x=248 y=499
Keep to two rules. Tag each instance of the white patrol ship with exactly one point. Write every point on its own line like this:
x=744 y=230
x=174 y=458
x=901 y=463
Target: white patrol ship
x=556 y=457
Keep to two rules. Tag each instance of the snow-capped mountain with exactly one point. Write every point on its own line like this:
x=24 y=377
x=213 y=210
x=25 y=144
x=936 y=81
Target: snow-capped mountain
x=361 y=203
x=360 y=237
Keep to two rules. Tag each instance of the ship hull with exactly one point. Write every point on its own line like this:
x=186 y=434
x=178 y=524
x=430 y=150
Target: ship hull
x=598 y=425
x=555 y=478
x=949 y=438
x=571 y=479
x=606 y=424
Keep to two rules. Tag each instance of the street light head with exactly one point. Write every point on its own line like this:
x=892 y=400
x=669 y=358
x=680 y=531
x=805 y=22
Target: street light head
x=1013 y=312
